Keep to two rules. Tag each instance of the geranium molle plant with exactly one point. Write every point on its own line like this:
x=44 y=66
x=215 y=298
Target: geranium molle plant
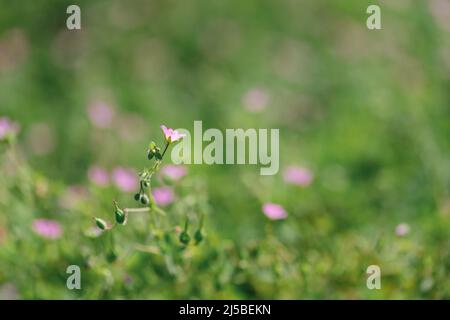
x=145 y=196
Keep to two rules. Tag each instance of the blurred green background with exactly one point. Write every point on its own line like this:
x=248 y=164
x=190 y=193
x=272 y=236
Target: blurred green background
x=365 y=112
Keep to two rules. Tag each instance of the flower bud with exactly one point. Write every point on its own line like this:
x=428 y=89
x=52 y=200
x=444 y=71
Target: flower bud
x=120 y=216
x=144 y=199
x=153 y=150
x=145 y=184
x=198 y=236
x=158 y=155
x=137 y=197
x=101 y=223
x=184 y=235
x=185 y=238
x=111 y=256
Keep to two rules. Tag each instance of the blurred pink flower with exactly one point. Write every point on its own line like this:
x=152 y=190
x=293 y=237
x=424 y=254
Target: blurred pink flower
x=68 y=49
x=101 y=114
x=298 y=176
x=7 y=127
x=255 y=100
x=47 y=228
x=174 y=172
x=73 y=196
x=274 y=211
x=440 y=10
x=291 y=59
x=125 y=179
x=171 y=135
x=98 y=175
x=163 y=196
x=8 y=291
x=131 y=127
x=128 y=279
x=13 y=49
x=402 y=229
x=41 y=138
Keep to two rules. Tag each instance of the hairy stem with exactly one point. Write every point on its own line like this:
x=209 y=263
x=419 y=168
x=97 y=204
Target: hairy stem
x=129 y=210
x=165 y=149
x=158 y=162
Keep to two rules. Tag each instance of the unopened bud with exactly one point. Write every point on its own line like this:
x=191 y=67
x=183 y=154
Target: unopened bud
x=144 y=199
x=120 y=216
x=198 y=236
x=111 y=256
x=185 y=238
x=101 y=223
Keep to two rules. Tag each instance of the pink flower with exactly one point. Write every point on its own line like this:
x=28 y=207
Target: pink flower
x=73 y=196
x=101 y=114
x=298 y=176
x=402 y=229
x=125 y=179
x=7 y=127
x=41 y=138
x=274 y=211
x=47 y=228
x=163 y=196
x=174 y=172
x=134 y=121
x=440 y=10
x=98 y=175
x=255 y=100
x=14 y=48
x=171 y=135
x=128 y=280
x=8 y=291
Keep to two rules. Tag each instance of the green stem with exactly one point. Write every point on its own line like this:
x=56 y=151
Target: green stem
x=157 y=163
x=186 y=224
x=111 y=239
x=165 y=149
x=129 y=210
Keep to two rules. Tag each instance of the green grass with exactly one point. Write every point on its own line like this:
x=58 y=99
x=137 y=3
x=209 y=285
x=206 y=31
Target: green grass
x=366 y=111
